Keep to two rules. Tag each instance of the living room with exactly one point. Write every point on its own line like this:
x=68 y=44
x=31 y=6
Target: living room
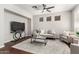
x=61 y=18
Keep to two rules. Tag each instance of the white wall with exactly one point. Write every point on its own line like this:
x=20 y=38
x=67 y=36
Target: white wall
x=5 y=35
x=13 y=17
x=17 y=10
x=58 y=26
x=75 y=17
x=1 y=26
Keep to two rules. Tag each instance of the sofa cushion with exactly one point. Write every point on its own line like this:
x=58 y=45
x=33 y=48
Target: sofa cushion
x=42 y=31
x=50 y=32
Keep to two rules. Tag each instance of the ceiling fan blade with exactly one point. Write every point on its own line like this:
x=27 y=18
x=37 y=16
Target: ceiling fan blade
x=48 y=10
x=50 y=7
x=34 y=6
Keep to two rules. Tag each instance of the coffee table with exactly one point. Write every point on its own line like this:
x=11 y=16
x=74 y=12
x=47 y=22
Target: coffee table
x=38 y=38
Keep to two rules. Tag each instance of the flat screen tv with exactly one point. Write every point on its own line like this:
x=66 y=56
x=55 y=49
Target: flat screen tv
x=17 y=26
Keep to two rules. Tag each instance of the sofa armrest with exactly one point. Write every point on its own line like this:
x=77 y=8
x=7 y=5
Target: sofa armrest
x=63 y=36
x=66 y=38
x=74 y=48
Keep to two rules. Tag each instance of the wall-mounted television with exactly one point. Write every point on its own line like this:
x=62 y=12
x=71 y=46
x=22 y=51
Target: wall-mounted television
x=17 y=26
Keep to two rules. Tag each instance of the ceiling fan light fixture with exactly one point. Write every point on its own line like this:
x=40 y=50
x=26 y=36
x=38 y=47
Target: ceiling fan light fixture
x=44 y=7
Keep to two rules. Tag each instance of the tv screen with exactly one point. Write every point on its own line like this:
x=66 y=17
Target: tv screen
x=17 y=26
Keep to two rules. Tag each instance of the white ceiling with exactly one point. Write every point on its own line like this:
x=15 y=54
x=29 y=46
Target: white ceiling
x=58 y=8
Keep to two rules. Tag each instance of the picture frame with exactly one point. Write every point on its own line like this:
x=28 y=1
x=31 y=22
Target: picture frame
x=57 y=18
x=48 y=18
x=41 y=19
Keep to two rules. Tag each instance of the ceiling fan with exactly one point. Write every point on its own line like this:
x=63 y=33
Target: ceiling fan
x=44 y=6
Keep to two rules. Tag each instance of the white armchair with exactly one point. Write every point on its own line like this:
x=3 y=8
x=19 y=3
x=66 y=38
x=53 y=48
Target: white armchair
x=36 y=37
x=36 y=33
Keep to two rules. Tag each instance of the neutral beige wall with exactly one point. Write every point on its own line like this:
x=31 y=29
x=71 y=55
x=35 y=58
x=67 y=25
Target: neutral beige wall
x=58 y=26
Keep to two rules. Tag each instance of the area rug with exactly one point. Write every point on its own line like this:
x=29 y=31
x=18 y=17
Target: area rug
x=52 y=47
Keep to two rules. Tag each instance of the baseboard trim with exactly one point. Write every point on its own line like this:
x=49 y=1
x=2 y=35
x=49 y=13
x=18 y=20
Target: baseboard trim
x=11 y=43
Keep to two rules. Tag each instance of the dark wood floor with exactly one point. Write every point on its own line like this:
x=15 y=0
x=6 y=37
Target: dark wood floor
x=11 y=50
x=8 y=49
